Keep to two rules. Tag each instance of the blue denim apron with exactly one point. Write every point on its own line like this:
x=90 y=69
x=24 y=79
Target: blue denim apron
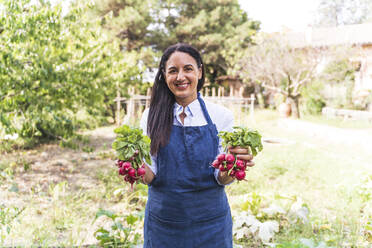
x=186 y=208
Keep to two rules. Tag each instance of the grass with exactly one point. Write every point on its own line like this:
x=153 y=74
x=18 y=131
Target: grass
x=331 y=181
x=326 y=179
x=338 y=122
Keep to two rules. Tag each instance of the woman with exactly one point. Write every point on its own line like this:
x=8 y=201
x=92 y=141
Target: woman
x=187 y=206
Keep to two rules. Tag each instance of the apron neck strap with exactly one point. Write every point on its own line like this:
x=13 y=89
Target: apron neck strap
x=205 y=112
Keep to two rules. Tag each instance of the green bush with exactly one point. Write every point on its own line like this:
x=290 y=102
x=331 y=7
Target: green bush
x=312 y=100
x=53 y=65
x=314 y=105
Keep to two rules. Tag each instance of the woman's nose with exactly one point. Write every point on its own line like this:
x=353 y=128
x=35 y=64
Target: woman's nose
x=180 y=76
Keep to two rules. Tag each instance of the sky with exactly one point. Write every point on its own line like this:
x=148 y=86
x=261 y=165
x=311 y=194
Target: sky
x=276 y=14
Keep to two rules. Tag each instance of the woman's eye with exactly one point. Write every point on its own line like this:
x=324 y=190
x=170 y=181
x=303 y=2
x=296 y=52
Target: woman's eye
x=189 y=69
x=172 y=71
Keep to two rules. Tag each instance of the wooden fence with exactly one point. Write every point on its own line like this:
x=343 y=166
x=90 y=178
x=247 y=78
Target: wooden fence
x=137 y=103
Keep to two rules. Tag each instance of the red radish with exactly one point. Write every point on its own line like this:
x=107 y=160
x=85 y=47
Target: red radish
x=132 y=181
x=141 y=171
x=119 y=163
x=127 y=165
x=232 y=173
x=221 y=157
x=132 y=172
x=229 y=166
x=216 y=164
x=240 y=164
x=126 y=178
x=240 y=175
x=222 y=167
x=230 y=158
x=122 y=171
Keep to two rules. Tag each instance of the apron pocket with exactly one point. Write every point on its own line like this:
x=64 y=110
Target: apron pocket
x=175 y=234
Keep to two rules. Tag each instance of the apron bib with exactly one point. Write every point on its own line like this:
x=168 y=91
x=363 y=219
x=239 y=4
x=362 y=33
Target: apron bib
x=186 y=208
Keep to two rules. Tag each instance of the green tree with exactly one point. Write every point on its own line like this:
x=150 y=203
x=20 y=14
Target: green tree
x=278 y=67
x=51 y=66
x=218 y=28
x=129 y=22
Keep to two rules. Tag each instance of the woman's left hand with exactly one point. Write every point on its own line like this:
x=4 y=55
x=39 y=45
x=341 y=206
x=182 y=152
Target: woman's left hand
x=242 y=154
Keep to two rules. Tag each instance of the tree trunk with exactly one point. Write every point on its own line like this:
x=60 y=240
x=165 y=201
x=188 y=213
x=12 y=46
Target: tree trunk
x=294 y=106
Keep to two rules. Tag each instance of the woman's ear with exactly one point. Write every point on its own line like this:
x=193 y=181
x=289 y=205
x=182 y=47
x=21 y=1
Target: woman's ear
x=200 y=71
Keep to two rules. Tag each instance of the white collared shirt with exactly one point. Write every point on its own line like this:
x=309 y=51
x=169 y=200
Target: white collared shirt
x=222 y=117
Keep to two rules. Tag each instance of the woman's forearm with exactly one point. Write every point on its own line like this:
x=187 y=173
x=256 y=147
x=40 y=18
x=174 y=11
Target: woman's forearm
x=149 y=175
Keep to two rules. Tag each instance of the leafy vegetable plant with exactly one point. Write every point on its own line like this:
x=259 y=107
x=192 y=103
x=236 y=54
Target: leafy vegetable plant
x=118 y=235
x=131 y=148
x=242 y=137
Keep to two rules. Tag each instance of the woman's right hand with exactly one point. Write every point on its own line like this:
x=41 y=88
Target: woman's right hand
x=149 y=175
x=224 y=178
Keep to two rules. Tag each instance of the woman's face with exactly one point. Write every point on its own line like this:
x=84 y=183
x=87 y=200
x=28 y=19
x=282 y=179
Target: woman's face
x=182 y=75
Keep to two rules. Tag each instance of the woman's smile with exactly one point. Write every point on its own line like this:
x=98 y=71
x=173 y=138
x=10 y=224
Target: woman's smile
x=182 y=85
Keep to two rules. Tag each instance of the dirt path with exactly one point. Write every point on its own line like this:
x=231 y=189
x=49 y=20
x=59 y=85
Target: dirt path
x=50 y=164
x=351 y=138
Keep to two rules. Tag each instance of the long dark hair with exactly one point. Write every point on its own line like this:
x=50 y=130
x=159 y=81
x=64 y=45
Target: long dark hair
x=160 y=118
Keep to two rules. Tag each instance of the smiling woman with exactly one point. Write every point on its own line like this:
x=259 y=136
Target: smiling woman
x=187 y=204
x=170 y=82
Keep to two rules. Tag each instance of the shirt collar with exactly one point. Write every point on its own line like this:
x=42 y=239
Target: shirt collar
x=190 y=110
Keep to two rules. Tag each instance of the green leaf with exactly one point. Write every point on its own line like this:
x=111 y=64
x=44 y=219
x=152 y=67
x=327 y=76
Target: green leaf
x=131 y=219
x=118 y=226
x=107 y=213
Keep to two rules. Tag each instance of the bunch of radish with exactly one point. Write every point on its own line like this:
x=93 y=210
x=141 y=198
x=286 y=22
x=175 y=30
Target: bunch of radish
x=131 y=148
x=130 y=173
x=244 y=138
x=228 y=162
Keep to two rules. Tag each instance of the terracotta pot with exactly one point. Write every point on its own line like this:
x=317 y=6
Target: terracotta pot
x=284 y=110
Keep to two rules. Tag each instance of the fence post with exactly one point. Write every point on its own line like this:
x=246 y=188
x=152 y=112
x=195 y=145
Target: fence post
x=241 y=91
x=130 y=106
x=251 y=109
x=213 y=92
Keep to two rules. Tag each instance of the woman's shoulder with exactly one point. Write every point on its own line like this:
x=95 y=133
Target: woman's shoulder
x=220 y=115
x=218 y=109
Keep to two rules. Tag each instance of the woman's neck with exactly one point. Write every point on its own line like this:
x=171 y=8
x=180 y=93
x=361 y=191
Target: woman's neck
x=184 y=102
